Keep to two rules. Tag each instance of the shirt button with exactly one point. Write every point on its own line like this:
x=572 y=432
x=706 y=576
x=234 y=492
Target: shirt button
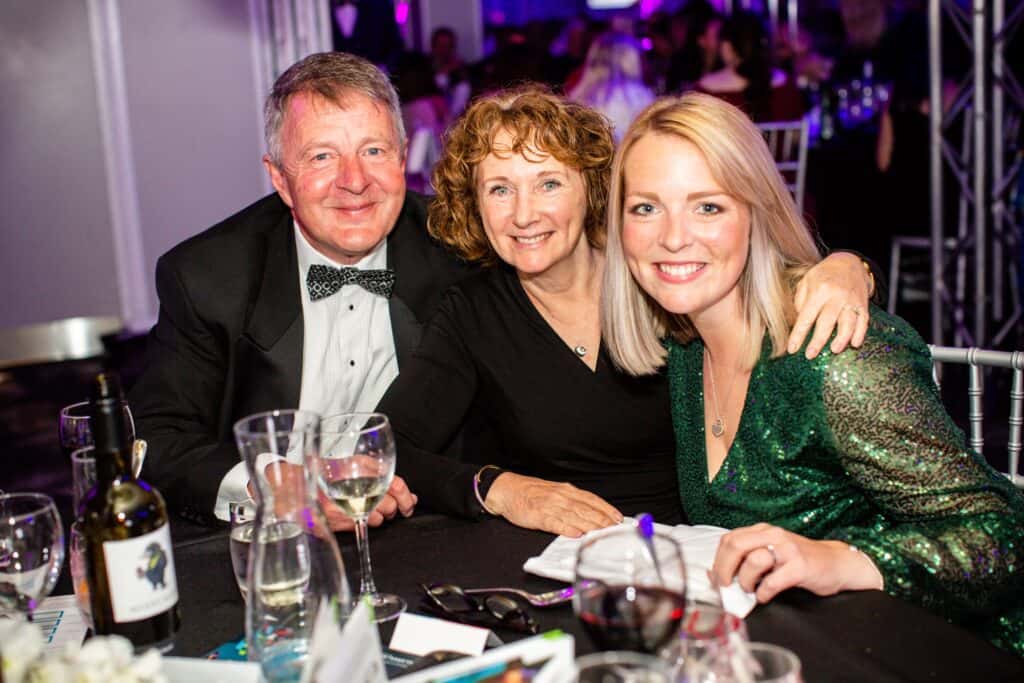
x=352 y=363
x=351 y=307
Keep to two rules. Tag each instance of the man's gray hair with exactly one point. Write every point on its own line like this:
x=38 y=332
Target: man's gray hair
x=333 y=76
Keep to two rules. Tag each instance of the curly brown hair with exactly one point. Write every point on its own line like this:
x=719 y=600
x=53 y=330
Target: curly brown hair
x=538 y=121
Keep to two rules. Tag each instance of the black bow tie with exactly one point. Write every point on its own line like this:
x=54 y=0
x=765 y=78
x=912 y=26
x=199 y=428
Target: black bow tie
x=323 y=281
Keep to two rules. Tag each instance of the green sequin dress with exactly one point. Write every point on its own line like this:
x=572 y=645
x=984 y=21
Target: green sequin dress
x=857 y=447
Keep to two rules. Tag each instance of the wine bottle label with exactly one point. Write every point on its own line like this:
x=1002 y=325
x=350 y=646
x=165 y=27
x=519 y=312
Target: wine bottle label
x=140 y=574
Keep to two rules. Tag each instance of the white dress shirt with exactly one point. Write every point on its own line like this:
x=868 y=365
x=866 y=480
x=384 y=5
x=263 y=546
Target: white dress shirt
x=348 y=352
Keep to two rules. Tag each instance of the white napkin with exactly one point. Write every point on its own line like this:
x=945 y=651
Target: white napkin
x=699 y=544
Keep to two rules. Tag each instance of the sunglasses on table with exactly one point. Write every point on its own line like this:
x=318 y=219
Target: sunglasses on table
x=451 y=602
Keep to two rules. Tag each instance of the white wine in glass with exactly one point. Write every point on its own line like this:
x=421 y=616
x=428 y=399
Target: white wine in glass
x=357 y=464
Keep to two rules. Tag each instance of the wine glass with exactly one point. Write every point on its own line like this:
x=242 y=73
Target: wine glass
x=243 y=514
x=357 y=463
x=31 y=551
x=74 y=430
x=630 y=589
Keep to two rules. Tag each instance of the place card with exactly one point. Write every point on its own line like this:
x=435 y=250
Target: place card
x=351 y=653
x=547 y=658
x=419 y=635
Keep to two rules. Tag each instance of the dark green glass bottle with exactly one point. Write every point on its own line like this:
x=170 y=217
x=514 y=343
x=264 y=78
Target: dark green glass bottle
x=133 y=591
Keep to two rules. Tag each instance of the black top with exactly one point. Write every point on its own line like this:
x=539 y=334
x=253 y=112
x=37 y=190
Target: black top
x=551 y=417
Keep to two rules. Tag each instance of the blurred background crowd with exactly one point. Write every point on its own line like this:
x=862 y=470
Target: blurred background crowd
x=856 y=69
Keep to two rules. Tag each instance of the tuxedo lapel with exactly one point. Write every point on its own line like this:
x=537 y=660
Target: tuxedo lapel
x=270 y=348
x=405 y=327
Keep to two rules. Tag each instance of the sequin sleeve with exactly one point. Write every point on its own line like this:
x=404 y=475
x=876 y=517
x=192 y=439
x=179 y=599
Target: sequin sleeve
x=946 y=529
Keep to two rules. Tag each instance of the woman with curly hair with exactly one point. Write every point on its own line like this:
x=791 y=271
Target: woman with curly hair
x=521 y=190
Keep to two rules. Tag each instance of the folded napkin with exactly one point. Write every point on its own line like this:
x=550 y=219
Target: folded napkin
x=699 y=544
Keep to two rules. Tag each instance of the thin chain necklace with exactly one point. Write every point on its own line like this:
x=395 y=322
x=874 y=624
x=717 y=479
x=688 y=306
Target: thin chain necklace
x=718 y=426
x=580 y=350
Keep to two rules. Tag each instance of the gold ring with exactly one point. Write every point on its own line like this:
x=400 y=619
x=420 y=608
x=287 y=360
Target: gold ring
x=853 y=309
x=775 y=558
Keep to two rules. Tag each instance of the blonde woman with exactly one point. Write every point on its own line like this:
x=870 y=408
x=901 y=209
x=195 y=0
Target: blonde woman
x=612 y=80
x=515 y=352
x=839 y=473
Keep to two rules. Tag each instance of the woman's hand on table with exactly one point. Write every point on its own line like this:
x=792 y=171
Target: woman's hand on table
x=833 y=294
x=767 y=560
x=550 y=506
x=399 y=500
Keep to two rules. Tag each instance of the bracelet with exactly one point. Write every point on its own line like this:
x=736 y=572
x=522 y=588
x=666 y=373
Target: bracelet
x=476 y=488
x=871 y=277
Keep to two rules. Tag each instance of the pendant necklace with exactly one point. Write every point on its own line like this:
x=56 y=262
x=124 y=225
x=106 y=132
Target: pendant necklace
x=718 y=426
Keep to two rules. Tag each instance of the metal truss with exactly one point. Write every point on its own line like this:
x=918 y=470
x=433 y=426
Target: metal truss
x=986 y=109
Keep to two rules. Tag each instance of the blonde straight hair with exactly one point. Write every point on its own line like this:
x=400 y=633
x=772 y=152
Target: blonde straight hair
x=781 y=247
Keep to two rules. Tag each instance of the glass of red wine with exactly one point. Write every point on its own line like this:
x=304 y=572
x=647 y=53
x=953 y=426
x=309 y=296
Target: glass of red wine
x=630 y=589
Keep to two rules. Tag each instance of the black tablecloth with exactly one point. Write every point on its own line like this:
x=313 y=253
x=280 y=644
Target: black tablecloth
x=865 y=636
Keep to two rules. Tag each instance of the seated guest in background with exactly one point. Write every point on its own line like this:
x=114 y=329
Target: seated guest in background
x=612 y=80
x=521 y=189
x=699 y=54
x=247 y=323
x=450 y=73
x=841 y=472
x=747 y=78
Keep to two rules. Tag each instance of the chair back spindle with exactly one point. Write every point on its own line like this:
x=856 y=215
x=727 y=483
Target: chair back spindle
x=787 y=141
x=978 y=360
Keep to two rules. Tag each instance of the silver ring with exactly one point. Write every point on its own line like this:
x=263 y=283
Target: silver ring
x=853 y=309
x=775 y=558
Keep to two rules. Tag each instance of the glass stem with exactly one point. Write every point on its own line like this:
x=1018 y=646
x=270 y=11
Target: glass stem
x=366 y=585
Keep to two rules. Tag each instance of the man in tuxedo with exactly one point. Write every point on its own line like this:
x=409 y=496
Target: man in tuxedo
x=310 y=298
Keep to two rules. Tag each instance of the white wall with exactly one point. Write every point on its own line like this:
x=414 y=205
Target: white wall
x=194 y=116
x=192 y=144
x=56 y=257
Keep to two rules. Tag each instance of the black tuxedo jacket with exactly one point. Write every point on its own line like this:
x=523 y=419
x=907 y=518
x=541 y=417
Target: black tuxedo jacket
x=228 y=342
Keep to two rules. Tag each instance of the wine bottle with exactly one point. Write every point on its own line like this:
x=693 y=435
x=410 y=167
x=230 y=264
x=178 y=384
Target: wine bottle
x=133 y=590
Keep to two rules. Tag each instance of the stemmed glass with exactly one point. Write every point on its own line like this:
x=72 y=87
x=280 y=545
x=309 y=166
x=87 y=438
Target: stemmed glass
x=31 y=551
x=630 y=590
x=357 y=463
x=74 y=430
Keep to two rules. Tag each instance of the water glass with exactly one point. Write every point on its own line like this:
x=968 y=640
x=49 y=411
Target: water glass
x=78 y=559
x=760 y=663
x=31 y=551
x=705 y=631
x=621 y=667
x=295 y=570
x=83 y=475
x=243 y=517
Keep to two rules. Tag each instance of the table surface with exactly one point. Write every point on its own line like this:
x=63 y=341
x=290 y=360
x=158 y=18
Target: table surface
x=864 y=636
